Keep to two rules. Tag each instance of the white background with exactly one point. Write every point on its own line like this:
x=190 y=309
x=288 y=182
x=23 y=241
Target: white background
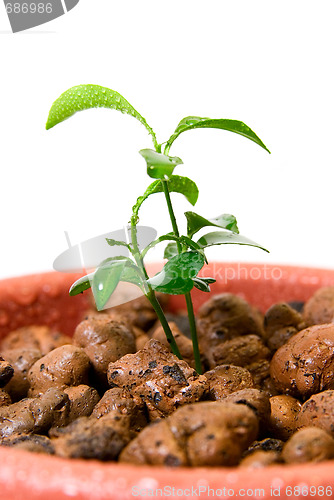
x=267 y=63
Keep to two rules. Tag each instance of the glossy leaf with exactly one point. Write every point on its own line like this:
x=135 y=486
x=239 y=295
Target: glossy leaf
x=175 y=286
x=208 y=280
x=82 y=284
x=170 y=250
x=185 y=186
x=131 y=274
x=183 y=240
x=203 y=283
x=177 y=275
x=109 y=260
x=192 y=122
x=196 y=222
x=164 y=237
x=190 y=243
x=223 y=238
x=193 y=245
x=113 y=243
x=105 y=281
x=176 y=184
x=159 y=166
x=92 y=96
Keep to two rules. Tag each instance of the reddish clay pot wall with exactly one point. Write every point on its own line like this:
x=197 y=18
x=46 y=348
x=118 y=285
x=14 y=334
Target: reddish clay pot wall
x=41 y=299
x=27 y=476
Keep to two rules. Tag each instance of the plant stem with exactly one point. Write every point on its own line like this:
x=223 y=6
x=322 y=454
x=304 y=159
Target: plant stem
x=190 y=308
x=192 y=323
x=137 y=255
x=171 y=213
x=149 y=292
x=162 y=318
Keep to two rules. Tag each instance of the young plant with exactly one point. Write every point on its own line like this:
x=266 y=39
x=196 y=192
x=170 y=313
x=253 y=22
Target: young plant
x=184 y=253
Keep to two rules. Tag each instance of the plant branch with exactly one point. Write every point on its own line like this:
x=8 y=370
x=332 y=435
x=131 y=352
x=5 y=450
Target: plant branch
x=149 y=292
x=171 y=213
x=162 y=318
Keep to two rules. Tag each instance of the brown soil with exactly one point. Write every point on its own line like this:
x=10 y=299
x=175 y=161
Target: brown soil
x=115 y=391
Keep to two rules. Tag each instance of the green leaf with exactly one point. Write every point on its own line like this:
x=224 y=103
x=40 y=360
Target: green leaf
x=105 y=280
x=176 y=184
x=183 y=185
x=183 y=240
x=113 y=243
x=155 y=187
x=177 y=275
x=170 y=250
x=92 y=96
x=176 y=286
x=195 y=222
x=164 y=237
x=222 y=238
x=159 y=165
x=132 y=274
x=192 y=122
x=203 y=283
x=82 y=284
x=193 y=246
x=208 y=280
x=109 y=260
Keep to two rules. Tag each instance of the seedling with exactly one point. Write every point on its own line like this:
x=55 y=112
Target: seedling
x=185 y=254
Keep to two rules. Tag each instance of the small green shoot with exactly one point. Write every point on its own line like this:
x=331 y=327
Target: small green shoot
x=185 y=254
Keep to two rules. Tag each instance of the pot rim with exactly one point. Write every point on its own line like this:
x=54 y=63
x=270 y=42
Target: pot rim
x=31 y=476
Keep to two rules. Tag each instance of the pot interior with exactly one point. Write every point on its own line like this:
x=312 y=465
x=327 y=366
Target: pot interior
x=44 y=299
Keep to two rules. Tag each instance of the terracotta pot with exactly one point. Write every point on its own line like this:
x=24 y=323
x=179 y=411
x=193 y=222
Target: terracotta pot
x=44 y=299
